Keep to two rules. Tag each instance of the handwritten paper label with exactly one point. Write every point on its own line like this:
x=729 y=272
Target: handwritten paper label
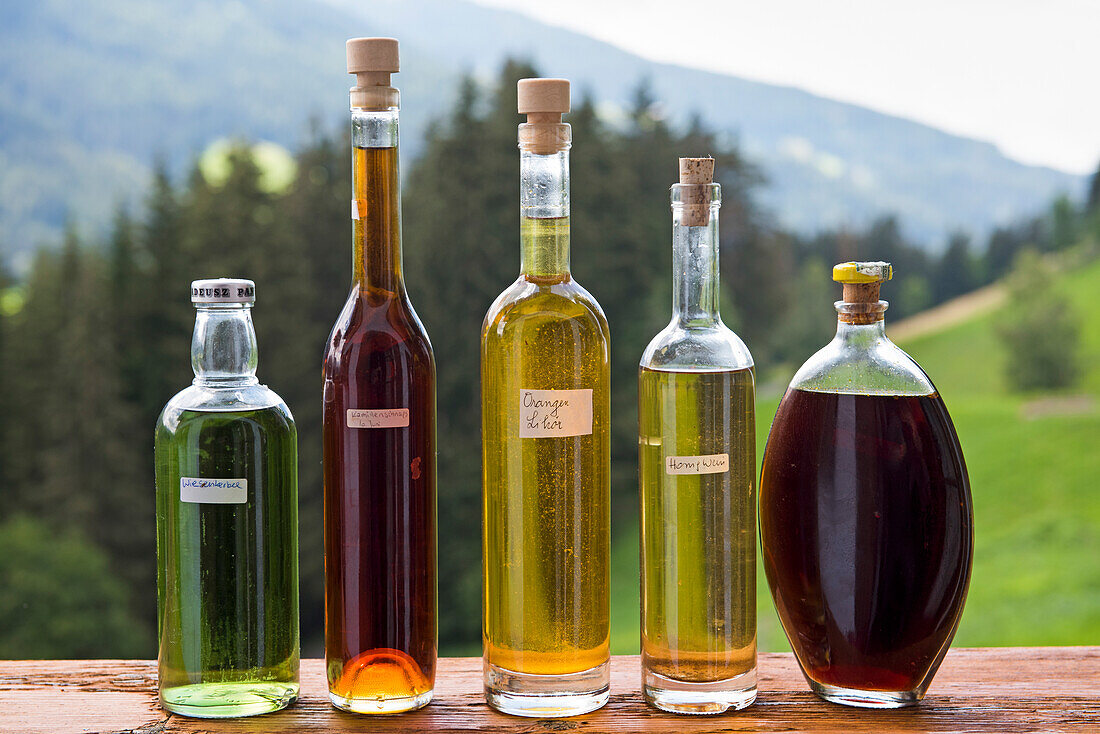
x=555 y=413
x=213 y=491
x=380 y=418
x=709 y=464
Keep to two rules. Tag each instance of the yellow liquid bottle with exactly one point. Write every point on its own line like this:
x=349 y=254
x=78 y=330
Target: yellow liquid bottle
x=697 y=481
x=545 y=388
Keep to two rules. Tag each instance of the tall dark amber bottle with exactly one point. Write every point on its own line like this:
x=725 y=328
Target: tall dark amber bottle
x=865 y=513
x=379 y=435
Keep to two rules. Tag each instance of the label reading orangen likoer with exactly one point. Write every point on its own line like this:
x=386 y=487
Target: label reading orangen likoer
x=555 y=413
x=708 y=464
x=378 y=418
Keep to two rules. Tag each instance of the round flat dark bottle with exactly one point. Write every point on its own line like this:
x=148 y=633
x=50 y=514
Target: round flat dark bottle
x=866 y=517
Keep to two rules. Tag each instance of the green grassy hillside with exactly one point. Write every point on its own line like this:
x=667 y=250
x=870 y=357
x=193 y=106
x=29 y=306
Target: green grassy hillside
x=1034 y=464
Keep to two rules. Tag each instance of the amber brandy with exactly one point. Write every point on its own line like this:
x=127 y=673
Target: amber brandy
x=379 y=469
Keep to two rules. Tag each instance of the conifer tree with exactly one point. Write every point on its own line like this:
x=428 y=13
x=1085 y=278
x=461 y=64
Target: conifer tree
x=314 y=213
x=955 y=272
x=8 y=302
x=461 y=234
x=162 y=316
x=79 y=468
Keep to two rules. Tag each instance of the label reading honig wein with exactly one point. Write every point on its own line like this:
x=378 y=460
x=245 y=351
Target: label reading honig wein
x=379 y=418
x=555 y=413
x=709 y=464
x=213 y=491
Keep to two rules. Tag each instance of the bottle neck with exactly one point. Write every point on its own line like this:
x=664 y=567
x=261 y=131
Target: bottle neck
x=376 y=202
x=223 y=346
x=544 y=215
x=861 y=325
x=695 y=291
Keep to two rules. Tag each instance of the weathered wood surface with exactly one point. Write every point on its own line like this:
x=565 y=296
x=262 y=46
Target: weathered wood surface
x=1053 y=689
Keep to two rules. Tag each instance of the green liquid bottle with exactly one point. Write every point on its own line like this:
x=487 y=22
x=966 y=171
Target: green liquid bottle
x=697 y=473
x=227 y=524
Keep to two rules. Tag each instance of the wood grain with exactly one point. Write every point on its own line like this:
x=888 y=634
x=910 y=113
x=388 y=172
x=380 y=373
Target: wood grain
x=1052 y=689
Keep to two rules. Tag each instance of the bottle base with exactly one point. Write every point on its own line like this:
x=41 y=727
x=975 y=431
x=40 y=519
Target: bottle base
x=228 y=700
x=865 y=699
x=547 y=696
x=381 y=704
x=701 y=698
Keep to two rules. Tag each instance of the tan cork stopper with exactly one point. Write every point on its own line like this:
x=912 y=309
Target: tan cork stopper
x=696 y=170
x=696 y=177
x=544 y=101
x=373 y=60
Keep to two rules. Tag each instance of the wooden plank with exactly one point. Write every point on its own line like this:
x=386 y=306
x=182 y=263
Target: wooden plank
x=979 y=690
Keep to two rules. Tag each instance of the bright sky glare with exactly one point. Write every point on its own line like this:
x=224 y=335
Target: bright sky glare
x=1022 y=74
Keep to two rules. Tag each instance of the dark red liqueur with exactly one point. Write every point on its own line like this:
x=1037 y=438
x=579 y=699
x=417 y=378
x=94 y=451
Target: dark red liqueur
x=867 y=532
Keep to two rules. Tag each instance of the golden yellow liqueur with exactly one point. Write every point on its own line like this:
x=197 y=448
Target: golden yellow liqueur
x=697 y=466
x=697 y=481
x=545 y=371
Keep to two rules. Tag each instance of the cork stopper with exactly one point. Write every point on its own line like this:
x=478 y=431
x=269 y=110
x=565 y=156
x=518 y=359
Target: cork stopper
x=696 y=177
x=862 y=281
x=373 y=60
x=544 y=101
x=696 y=171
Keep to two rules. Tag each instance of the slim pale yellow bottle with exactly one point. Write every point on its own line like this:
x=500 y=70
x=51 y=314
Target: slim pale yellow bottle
x=545 y=381
x=697 y=471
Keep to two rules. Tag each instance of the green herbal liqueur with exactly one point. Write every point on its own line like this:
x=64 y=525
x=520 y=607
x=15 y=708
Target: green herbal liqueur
x=697 y=480
x=227 y=524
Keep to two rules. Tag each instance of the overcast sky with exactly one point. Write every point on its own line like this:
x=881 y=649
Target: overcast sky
x=1024 y=74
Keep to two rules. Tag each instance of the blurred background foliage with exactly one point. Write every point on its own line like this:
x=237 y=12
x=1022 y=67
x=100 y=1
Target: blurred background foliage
x=95 y=339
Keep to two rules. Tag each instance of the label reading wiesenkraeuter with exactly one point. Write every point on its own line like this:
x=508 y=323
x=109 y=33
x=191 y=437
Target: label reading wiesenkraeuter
x=213 y=491
x=709 y=464
x=378 y=418
x=555 y=413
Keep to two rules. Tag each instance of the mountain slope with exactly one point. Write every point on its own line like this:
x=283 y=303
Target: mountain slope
x=1032 y=463
x=827 y=162
x=90 y=93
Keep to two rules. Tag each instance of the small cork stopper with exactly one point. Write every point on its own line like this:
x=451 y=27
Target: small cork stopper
x=696 y=170
x=373 y=60
x=544 y=101
x=862 y=281
x=696 y=177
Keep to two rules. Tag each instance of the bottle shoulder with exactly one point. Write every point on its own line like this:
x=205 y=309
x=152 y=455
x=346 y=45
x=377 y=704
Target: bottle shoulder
x=205 y=399
x=525 y=300
x=875 y=366
x=377 y=324
x=706 y=349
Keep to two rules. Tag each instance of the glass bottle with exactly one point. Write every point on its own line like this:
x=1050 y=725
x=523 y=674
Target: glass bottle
x=226 y=454
x=379 y=435
x=865 y=512
x=697 y=478
x=545 y=379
